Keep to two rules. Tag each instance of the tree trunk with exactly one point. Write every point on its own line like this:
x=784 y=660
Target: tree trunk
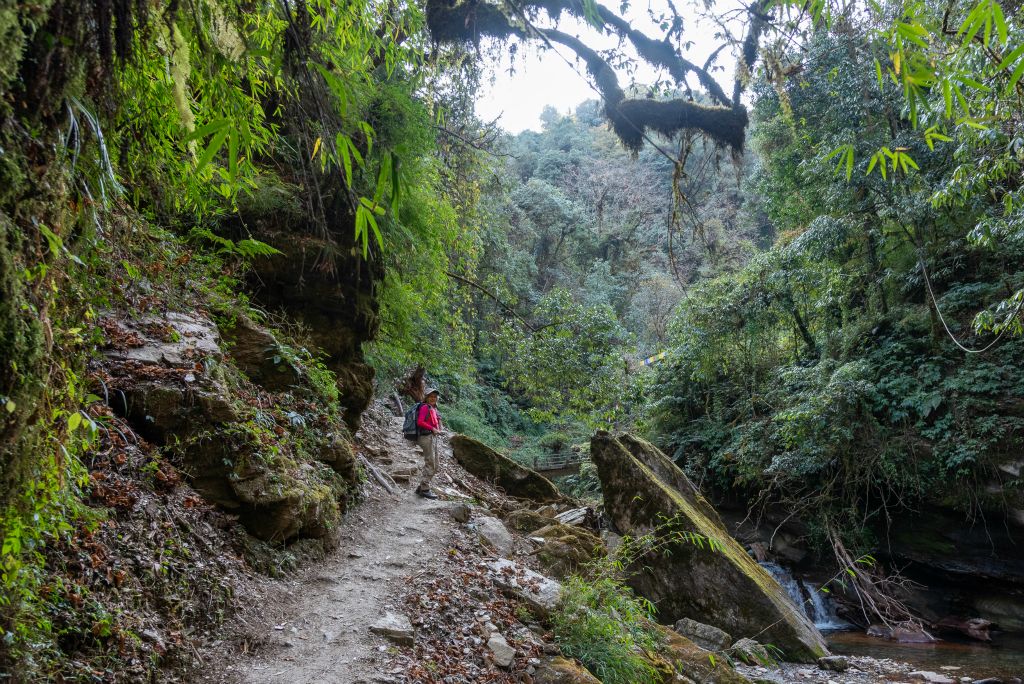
x=414 y=385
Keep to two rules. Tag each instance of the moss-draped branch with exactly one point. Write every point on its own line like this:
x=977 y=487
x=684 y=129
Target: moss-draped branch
x=724 y=120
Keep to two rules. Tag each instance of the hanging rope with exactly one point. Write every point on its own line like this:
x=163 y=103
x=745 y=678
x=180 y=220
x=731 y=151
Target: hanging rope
x=1002 y=329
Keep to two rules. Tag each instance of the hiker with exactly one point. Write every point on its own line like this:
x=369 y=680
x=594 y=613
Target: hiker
x=428 y=425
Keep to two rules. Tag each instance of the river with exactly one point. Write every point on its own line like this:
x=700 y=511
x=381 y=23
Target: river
x=1003 y=658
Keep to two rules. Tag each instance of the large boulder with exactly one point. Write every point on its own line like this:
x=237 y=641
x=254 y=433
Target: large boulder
x=725 y=586
x=566 y=548
x=487 y=464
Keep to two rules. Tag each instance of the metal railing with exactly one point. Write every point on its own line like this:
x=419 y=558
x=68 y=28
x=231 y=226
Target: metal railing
x=558 y=461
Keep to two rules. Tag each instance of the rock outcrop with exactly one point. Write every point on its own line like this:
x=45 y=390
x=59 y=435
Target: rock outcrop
x=723 y=586
x=286 y=470
x=516 y=480
x=319 y=280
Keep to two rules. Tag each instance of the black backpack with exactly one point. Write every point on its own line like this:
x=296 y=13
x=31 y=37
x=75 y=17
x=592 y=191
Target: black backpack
x=409 y=427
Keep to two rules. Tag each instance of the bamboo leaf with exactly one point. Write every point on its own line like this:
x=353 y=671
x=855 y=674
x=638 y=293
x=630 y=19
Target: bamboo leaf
x=346 y=160
x=216 y=143
x=1001 y=28
x=208 y=129
x=1012 y=57
x=1015 y=76
x=232 y=155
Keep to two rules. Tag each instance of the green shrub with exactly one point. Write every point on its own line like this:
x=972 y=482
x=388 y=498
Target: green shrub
x=600 y=622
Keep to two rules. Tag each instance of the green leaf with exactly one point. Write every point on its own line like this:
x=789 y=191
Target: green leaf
x=341 y=142
x=74 y=420
x=1012 y=57
x=1015 y=76
x=212 y=149
x=1001 y=28
x=208 y=129
x=233 y=155
x=396 y=186
x=53 y=241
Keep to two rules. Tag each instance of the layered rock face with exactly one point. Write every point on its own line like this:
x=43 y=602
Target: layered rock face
x=645 y=492
x=318 y=281
x=271 y=454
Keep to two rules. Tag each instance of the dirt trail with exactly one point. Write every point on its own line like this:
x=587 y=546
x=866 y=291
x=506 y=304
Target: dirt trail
x=324 y=634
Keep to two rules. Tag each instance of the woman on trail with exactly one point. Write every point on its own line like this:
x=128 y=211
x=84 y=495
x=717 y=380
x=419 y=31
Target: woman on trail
x=428 y=424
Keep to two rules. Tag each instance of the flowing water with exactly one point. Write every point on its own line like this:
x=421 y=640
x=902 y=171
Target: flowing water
x=816 y=604
x=1004 y=657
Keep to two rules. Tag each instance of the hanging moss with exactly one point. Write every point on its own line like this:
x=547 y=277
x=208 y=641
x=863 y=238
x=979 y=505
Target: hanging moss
x=725 y=125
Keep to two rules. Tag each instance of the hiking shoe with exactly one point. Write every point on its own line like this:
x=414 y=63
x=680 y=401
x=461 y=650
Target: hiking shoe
x=426 y=493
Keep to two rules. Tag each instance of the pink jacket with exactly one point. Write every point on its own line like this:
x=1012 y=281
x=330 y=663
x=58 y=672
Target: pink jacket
x=427 y=419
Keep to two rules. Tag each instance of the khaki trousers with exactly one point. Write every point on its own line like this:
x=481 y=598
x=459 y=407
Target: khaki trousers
x=427 y=444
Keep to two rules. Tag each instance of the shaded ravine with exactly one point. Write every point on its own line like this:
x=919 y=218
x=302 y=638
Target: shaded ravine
x=326 y=612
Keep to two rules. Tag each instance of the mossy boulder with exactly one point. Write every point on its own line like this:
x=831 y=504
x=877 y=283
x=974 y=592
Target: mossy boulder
x=525 y=520
x=561 y=670
x=690 y=660
x=517 y=480
x=566 y=548
x=724 y=587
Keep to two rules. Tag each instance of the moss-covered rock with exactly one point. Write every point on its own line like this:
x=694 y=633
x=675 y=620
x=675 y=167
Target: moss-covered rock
x=258 y=353
x=282 y=475
x=525 y=520
x=487 y=464
x=561 y=670
x=566 y=548
x=690 y=660
x=725 y=586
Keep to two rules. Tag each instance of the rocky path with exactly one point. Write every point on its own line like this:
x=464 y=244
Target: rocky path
x=326 y=613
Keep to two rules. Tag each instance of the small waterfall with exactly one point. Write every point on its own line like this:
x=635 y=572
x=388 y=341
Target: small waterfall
x=814 y=602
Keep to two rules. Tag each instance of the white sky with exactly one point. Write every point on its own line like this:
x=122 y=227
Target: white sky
x=543 y=78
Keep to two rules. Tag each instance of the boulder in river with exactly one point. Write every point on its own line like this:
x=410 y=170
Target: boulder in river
x=517 y=480
x=722 y=585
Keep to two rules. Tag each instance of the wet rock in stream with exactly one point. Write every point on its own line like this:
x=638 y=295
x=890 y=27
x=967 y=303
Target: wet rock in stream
x=858 y=670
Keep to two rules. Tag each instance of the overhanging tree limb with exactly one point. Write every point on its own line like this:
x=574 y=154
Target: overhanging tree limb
x=724 y=121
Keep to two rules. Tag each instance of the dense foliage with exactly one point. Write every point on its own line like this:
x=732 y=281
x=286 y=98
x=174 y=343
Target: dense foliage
x=150 y=155
x=832 y=373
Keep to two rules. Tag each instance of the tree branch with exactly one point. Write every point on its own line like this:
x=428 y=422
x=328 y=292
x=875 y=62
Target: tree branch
x=724 y=122
x=503 y=305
